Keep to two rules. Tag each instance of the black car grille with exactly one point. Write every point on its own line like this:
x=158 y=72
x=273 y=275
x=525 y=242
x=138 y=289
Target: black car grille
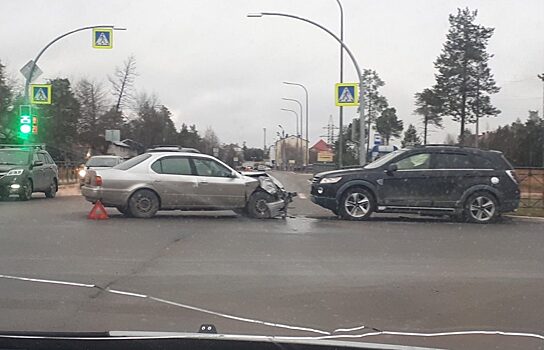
x=315 y=180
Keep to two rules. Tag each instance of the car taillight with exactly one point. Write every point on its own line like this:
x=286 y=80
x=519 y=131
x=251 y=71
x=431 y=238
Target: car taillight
x=98 y=180
x=512 y=174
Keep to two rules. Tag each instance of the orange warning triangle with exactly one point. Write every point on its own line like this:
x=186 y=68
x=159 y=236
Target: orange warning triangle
x=98 y=212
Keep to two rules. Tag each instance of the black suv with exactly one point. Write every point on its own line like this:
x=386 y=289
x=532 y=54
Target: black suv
x=25 y=169
x=466 y=183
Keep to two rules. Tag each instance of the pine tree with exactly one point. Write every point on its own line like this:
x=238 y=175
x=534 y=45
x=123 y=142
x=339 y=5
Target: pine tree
x=411 y=137
x=464 y=80
x=374 y=103
x=388 y=125
x=428 y=106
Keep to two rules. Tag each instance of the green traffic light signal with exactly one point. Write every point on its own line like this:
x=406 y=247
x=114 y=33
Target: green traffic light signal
x=25 y=120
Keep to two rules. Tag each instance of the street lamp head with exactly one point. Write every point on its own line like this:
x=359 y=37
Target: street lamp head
x=254 y=15
x=117 y=28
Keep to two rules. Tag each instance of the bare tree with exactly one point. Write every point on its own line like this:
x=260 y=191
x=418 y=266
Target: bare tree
x=123 y=83
x=93 y=104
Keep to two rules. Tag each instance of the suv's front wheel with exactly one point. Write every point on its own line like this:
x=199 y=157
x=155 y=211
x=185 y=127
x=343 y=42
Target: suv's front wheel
x=356 y=204
x=481 y=208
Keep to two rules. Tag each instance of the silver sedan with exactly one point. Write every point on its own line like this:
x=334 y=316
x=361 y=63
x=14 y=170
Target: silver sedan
x=156 y=181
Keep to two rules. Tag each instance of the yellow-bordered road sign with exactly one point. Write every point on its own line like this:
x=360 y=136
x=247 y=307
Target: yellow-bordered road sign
x=103 y=38
x=40 y=94
x=346 y=94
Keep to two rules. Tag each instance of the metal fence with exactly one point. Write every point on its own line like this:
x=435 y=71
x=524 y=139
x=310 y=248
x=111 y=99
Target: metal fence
x=68 y=172
x=531 y=186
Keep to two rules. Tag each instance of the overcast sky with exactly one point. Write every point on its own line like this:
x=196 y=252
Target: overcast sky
x=212 y=66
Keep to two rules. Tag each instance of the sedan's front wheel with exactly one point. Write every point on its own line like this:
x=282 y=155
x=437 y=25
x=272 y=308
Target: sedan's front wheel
x=143 y=204
x=257 y=206
x=357 y=204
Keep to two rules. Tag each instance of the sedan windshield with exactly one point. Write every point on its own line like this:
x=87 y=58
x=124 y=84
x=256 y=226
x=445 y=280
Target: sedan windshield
x=13 y=157
x=381 y=161
x=102 y=162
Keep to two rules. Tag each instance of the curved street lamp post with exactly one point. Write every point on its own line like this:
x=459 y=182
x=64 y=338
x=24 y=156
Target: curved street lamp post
x=362 y=145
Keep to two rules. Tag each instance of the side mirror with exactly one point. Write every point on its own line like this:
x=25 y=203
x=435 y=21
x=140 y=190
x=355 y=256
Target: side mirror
x=391 y=168
x=234 y=174
x=38 y=163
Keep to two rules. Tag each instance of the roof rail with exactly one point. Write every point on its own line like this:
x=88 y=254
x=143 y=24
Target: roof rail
x=38 y=146
x=441 y=145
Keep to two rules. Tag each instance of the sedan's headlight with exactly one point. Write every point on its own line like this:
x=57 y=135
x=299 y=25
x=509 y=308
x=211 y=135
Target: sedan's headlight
x=82 y=173
x=15 y=172
x=330 y=180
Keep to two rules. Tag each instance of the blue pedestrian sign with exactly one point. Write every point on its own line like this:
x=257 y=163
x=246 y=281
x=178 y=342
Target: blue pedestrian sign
x=40 y=94
x=347 y=94
x=103 y=38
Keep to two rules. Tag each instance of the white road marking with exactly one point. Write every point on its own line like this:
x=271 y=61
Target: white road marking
x=302 y=196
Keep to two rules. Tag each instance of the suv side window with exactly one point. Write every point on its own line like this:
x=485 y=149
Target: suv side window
x=209 y=167
x=48 y=158
x=415 y=161
x=452 y=161
x=35 y=158
x=482 y=163
x=172 y=166
x=41 y=158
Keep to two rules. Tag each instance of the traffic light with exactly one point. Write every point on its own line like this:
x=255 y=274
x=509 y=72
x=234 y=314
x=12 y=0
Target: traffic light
x=25 y=121
x=34 y=125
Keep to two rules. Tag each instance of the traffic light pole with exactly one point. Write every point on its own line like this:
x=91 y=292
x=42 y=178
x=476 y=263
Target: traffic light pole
x=35 y=62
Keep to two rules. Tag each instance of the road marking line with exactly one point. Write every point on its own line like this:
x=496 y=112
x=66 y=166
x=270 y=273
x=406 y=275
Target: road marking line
x=302 y=196
x=48 y=281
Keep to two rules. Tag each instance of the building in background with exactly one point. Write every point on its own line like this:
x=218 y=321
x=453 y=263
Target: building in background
x=291 y=153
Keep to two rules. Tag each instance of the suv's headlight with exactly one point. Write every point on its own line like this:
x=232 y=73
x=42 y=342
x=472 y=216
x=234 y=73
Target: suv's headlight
x=15 y=172
x=330 y=180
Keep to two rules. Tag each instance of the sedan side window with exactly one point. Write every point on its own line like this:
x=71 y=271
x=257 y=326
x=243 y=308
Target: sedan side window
x=209 y=167
x=416 y=161
x=172 y=166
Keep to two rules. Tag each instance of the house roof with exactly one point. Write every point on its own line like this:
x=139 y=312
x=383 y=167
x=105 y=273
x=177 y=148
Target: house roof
x=321 y=146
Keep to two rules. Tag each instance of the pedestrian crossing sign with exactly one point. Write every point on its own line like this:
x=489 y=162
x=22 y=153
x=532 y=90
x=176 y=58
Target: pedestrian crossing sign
x=347 y=94
x=40 y=94
x=103 y=38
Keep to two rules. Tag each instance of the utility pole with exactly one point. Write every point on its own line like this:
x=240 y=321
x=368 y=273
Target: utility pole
x=340 y=150
x=541 y=77
x=264 y=142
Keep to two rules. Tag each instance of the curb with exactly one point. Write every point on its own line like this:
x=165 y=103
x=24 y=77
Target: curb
x=530 y=218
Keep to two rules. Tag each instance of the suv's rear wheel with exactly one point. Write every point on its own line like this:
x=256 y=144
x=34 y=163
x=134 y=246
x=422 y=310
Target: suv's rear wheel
x=481 y=208
x=52 y=190
x=143 y=204
x=356 y=204
x=26 y=191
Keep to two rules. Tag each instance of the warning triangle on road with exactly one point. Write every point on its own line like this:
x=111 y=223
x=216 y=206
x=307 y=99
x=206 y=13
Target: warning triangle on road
x=98 y=212
x=40 y=95
x=102 y=40
x=346 y=96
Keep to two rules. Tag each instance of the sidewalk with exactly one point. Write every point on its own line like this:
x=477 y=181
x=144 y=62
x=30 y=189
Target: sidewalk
x=66 y=190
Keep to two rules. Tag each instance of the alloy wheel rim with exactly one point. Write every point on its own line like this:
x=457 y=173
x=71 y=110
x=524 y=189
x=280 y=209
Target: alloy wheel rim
x=482 y=208
x=357 y=205
x=144 y=204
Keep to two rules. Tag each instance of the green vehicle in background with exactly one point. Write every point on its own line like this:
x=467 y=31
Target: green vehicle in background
x=25 y=169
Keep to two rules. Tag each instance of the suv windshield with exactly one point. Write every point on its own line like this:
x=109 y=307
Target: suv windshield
x=13 y=157
x=102 y=162
x=381 y=161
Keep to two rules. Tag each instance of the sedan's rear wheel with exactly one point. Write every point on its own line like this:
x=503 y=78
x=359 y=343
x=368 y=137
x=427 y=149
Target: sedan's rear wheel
x=143 y=204
x=481 y=208
x=357 y=204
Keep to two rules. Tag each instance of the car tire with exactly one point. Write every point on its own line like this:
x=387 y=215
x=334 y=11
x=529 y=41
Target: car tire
x=481 y=208
x=357 y=204
x=26 y=191
x=52 y=190
x=143 y=204
x=124 y=211
x=256 y=206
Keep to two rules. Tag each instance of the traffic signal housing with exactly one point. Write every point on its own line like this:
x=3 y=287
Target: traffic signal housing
x=25 y=121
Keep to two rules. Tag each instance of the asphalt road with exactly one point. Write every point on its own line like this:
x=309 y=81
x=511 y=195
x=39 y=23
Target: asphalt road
x=310 y=270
